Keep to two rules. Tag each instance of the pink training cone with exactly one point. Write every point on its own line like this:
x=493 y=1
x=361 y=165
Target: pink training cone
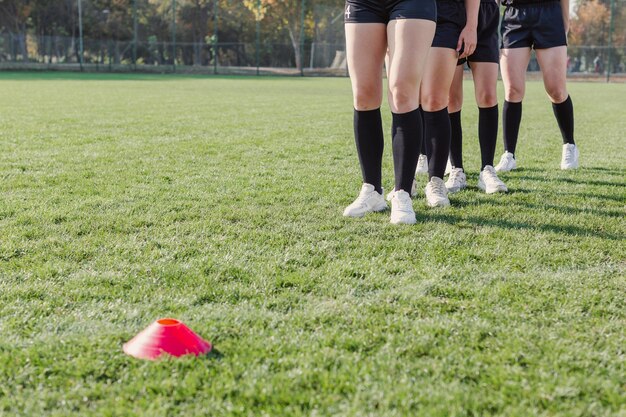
x=166 y=336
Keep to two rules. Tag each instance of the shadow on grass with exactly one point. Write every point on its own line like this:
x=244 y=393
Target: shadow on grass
x=573 y=181
x=213 y=355
x=571 y=230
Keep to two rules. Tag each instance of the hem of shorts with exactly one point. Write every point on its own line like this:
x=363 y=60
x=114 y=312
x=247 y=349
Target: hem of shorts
x=516 y=47
x=397 y=18
x=469 y=59
x=549 y=47
x=538 y=3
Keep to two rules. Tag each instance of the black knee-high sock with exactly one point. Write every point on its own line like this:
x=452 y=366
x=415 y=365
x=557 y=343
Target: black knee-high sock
x=437 y=128
x=406 y=133
x=511 y=118
x=487 y=133
x=368 y=135
x=423 y=150
x=456 y=140
x=564 y=113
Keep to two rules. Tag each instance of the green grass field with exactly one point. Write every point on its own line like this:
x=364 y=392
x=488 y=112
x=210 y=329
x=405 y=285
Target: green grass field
x=218 y=201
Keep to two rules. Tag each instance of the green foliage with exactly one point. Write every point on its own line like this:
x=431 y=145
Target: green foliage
x=126 y=198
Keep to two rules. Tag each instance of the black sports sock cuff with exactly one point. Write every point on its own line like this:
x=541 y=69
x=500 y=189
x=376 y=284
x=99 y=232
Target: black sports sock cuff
x=565 y=102
x=367 y=112
x=491 y=108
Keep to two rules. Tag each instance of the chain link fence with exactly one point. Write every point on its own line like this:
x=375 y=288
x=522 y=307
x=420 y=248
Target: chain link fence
x=221 y=37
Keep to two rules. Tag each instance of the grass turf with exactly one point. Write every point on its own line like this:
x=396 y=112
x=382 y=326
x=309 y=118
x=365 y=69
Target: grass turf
x=218 y=201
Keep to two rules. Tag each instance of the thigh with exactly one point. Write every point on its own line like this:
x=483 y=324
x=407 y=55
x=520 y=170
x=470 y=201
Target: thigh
x=455 y=98
x=437 y=79
x=485 y=76
x=366 y=44
x=553 y=64
x=513 y=64
x=409 y=43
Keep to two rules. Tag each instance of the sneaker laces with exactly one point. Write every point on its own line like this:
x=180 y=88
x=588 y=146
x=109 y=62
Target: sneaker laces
x=570 y=154
x=438 y=187
x=402 y=202
x=489 y=174
x=455 y=176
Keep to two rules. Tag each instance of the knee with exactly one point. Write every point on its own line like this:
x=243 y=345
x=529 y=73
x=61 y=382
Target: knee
x=455 y=102
x=434 y=102
x=404 y=98
x=557 y=94
x=514 y=93
x=367 y=97
x=486 y=99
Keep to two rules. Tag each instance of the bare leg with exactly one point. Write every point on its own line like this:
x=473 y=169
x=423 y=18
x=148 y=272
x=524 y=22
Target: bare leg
x=435 y=88
x=409 y=44
x=366 y=45
x=514 y=63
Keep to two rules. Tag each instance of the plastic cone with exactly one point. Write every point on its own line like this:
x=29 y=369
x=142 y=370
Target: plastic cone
x=166 y=336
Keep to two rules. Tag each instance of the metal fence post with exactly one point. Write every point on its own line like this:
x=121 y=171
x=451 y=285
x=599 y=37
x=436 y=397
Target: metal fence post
x=302 y=38
x=258 y=34
x=135 y=34
x=608 y=67
x=80 y=34
x=215 y=25
x=174 y=34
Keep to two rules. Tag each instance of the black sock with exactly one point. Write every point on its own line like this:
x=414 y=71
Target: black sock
x=406 y=133
x=368 y=135
x=437 y=128
x=423 y=150
x=456 y=140
x=487 y=133
x=511 y=118
x=564 y=113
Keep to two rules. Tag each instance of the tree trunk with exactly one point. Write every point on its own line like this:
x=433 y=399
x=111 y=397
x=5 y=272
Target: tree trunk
x=295 y=42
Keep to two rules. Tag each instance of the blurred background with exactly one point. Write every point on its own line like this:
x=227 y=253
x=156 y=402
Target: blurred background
x=294 y=37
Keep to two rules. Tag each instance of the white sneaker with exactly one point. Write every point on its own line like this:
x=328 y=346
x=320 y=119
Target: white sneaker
x=422 y=165
x=569 y=160
x=368 y=201
x=489 y=182
x=437 y=193
x=457 y=180
x=507 y=162
x=448 y=168
x=413 y=191
x=402 y=208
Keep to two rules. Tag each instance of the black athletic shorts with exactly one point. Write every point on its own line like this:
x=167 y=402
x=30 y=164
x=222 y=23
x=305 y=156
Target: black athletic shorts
x=383 y=11
x=535 y=25
x=487 y=33
x=450 y=22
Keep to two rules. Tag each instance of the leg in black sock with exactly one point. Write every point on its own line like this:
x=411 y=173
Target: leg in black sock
x=456 y=140
x=437 y=128
x=511 y=118
x=487 y=133
x=423 y=150
x=564 y=113
x=368 y=134
x=406 y=133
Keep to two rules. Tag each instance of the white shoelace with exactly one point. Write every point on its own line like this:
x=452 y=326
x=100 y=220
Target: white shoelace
x=455 y=176
x=403 y=203
x=570 y=154
x=438 y=187
x=489 y=175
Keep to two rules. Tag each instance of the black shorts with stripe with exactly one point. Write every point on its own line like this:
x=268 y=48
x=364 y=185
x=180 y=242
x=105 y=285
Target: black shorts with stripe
x=537 y=25
x=384 y=11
